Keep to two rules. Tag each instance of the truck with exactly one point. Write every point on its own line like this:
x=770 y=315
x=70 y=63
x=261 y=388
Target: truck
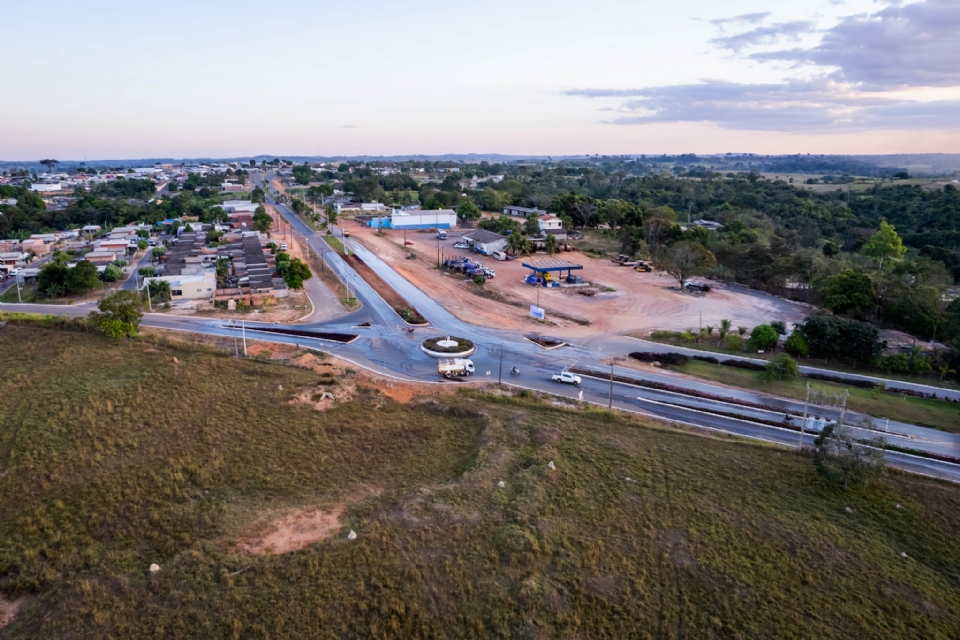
x=567 y=378
x=441 y=234
x=454 y=367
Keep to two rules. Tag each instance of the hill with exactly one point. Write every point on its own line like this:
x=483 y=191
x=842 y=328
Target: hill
x=118 y=455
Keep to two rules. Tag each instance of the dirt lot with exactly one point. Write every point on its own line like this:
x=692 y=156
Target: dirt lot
x=638 y=301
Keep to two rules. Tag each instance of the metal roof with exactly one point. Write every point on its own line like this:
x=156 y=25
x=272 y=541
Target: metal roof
x=552 y=265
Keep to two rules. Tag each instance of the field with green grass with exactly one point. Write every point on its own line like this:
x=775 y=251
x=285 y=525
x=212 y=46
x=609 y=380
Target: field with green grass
x=938 y=414
x=114 y=455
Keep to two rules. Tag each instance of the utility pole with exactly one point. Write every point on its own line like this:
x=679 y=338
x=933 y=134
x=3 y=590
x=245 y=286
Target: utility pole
x=500 y=374
x=146 y=285
x=806 y=403
x=18 y=288
x=843 y=407
x=243 y=330
x=610 y=402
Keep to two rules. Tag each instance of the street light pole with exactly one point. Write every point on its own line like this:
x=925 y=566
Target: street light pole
x=610 y=402
x=500 y=374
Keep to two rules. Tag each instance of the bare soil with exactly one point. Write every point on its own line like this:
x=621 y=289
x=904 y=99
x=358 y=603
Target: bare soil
x=627 y=301
x=9 y=609
x=295 y=531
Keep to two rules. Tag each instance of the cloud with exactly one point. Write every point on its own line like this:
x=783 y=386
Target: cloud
x=900 y=46
x=819 y=105
x=746 y=18
x=764 y=35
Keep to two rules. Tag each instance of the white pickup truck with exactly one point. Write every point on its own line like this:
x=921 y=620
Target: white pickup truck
x=567 y=377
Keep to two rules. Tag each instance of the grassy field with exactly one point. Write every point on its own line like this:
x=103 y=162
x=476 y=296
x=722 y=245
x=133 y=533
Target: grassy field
x=710 y=344
x=939 y=414
x=114 y=456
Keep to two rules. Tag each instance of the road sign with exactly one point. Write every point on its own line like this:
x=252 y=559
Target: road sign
x=537 y=312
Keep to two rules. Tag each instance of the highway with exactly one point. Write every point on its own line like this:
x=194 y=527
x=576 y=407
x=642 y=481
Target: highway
x=388 y=348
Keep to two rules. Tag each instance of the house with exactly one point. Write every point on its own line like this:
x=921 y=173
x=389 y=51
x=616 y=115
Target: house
x=485 y=242
x=191 y=287
x=45 y=238
x=521 y=212
x=91 y=228
x=549 y=221
x=102 y=257
x=12 y=258
x=229 y=187
x=39 y=247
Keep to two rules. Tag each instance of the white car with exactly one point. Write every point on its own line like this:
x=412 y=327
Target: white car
x=283 y=246
x=460 y=245
x=567 y=377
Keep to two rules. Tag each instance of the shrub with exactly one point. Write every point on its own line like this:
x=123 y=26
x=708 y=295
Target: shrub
x=763 y=337
x=796 y=345
x=783 y=366
x=734 y=342
x=779 y=326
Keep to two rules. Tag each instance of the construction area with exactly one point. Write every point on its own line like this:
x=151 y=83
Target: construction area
x=612 y=297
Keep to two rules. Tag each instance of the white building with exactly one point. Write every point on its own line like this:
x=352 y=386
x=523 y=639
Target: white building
x=192 y=287
x=433 y=219
x=46 y=187
x=549 y=221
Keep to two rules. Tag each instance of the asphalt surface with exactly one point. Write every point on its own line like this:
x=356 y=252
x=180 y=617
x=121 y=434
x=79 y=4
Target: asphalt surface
x=391 y=348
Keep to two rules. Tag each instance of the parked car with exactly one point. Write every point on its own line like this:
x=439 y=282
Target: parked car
x=460 y=245
x=567 y=378
x=283 y=246
x=499 y=255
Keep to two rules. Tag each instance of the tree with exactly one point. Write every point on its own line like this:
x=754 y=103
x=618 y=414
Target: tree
x=142 y=245
x=49 y=163
x=119 y=314
x=295 y=273
x=517 y=243
x=159 y=290
x=780 y=367
x=585 y=211
x=551 y=245
x=884 y=244
x=258 y=195
x=685 y=259
x=331 y=215
x=837 y=338
x=763 y=337
x=531 y=226
x=467 y=210
x=842 y=459
x=655 y=230
x=112 y=273
x=479 y=280
x=147 y=272
x=780 y=327
x=262 y=221
x=848 y=291
x=796 y=345
x=723 y=330
x=156 y=252
x=82 y=278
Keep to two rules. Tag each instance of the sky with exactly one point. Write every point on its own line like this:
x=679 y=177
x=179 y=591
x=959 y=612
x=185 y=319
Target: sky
x=115 y=80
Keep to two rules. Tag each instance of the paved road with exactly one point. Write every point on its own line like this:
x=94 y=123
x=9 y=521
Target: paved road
x=384 y=348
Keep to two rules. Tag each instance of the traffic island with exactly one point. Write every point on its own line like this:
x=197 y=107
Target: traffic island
x=404 y=309
x=448 y=347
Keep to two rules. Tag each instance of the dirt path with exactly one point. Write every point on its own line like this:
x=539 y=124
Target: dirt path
x=627 y=301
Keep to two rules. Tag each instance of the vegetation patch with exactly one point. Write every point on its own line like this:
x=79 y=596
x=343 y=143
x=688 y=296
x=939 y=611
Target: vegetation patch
x=304 y=333
x=545 y=342
x=499 y=516
x=462 y=345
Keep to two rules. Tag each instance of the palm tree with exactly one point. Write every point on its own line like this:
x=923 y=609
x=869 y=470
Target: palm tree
x=550 y=244
x=723 y=330
x=946 y=371
x=515 y=243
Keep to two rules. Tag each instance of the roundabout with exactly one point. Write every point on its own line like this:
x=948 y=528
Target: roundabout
x=448 y=347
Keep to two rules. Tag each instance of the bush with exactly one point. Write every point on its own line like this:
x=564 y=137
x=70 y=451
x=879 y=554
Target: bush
x=833 y=337
x=779 y=326
x=842 y=459
x=744 y=364
x=675 y=359
x=763 y=337
x=783 y=366
x=734 y=342
x=796 y=345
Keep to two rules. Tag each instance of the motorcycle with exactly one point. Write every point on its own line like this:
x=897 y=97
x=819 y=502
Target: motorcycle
x=515 y=371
